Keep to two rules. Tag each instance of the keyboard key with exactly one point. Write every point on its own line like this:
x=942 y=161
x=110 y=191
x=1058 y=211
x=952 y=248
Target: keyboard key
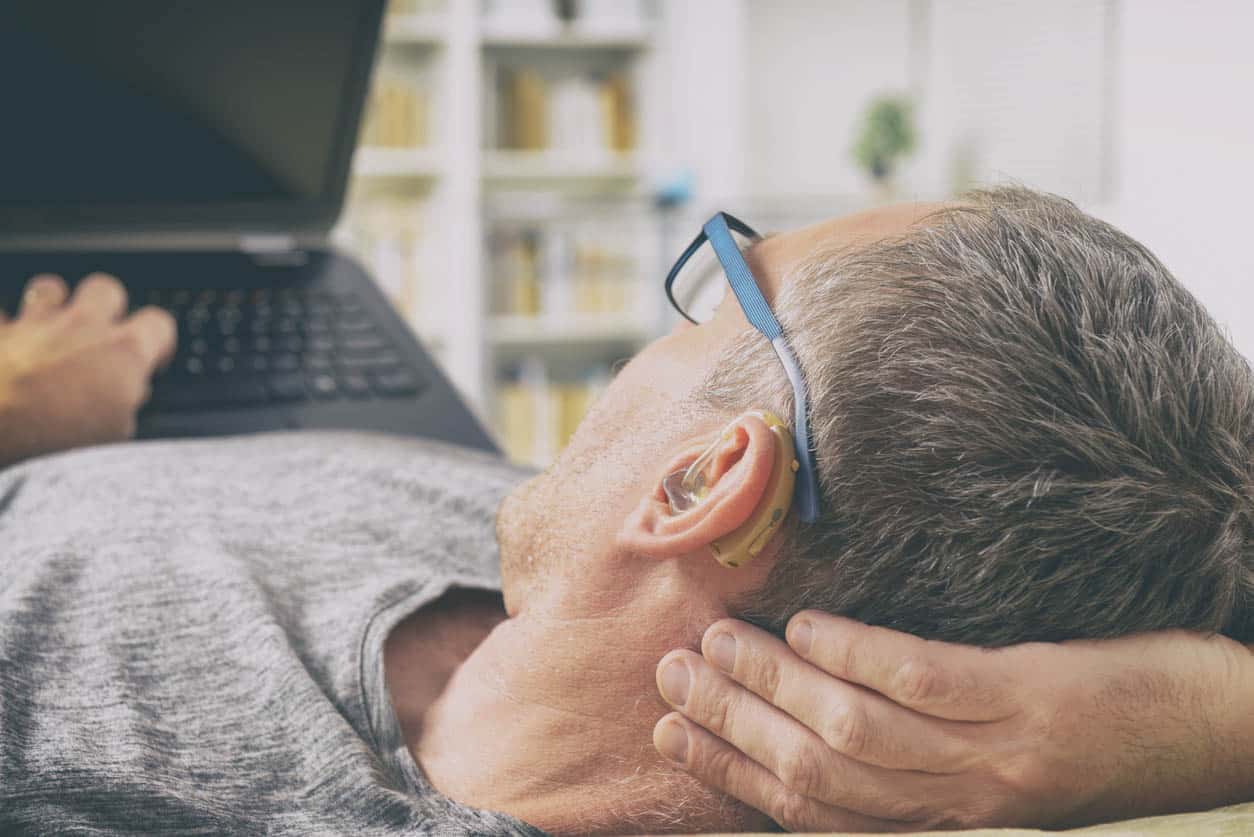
x=398 y=382
x=288 y=387
x=354 y=323
x=375 y=361
x=354 y=385
x=323 y=386
x=363 y=343
x=285 y=362
x=318 y=361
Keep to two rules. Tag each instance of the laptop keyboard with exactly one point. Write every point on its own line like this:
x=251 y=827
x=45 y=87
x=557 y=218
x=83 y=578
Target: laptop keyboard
x=279 y=345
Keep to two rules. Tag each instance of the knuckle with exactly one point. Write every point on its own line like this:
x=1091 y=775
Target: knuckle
x=768 y=675
x=802 y=770
x=716 y=709
x=844 y=653
x=791 y=811
x=918 y=681
x=846 y=729
x=1026 y=777
x=716 y=764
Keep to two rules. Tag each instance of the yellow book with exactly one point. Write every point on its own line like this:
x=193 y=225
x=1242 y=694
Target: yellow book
x=516 y=421
x=527 y=111
x=619 y=113
x=524 y=280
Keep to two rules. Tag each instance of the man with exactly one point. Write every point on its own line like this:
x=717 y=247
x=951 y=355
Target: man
x=295 y=645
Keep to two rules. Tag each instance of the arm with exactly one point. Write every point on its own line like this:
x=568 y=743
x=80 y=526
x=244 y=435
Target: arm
x=851 y=727
x=75 y=373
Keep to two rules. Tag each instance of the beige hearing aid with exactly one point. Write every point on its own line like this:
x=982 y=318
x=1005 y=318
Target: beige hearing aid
x=684 y=489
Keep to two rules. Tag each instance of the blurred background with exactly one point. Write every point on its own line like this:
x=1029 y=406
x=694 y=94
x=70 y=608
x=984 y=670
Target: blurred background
x=529 y=168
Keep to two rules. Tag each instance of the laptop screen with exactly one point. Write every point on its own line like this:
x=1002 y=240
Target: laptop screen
x=136 y=114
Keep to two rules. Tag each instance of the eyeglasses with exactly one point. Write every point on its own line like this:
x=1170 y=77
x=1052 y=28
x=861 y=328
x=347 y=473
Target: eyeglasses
x=697 y=284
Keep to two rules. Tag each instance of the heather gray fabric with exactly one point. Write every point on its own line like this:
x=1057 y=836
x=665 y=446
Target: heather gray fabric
x=191 y=633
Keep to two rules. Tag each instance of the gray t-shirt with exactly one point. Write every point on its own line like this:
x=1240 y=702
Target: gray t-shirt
x=191 y=633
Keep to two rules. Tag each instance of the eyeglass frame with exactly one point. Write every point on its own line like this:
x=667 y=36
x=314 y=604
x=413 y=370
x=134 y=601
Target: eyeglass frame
x=717 y=231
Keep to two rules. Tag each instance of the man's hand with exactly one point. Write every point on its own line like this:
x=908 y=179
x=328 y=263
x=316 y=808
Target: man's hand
x=851 y=727
x=75 y=373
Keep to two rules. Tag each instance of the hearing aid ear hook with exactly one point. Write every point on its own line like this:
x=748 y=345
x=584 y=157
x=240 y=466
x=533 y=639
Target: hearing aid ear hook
x=685 y=489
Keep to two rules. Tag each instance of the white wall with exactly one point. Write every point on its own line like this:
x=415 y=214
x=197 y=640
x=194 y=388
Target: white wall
x=1184 y=147
x=1140 y=110
x=812 y=67
x=1014 y=89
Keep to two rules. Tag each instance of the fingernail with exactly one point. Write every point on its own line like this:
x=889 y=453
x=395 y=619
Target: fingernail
x=674 y=682
x=723 y=652
x=801 y=635
x=672 y=741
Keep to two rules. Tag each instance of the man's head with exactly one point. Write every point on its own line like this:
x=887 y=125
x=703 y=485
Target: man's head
x=1024 y=429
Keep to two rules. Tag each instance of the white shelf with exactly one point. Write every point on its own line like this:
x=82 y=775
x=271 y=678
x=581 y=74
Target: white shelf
x=566 y=40
x=415 y=30
x=499 y=165
x=524 y=332
x=413 y=163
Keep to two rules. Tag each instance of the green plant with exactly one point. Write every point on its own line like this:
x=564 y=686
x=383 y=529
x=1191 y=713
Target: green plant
x=887 y=134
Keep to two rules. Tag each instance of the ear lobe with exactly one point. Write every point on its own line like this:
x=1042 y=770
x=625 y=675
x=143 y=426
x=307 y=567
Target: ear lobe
x=736 y=479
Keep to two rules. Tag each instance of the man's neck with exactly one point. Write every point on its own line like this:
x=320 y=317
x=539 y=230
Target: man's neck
x=550 y=718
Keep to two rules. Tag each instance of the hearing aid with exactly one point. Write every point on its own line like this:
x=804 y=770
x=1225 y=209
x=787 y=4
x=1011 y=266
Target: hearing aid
x=687 y=488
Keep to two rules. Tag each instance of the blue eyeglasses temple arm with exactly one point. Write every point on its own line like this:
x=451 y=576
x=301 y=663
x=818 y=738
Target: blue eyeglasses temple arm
x=763 y=319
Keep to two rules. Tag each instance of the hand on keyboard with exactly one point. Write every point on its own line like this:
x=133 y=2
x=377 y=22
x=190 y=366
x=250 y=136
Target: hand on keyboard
x=74 y=369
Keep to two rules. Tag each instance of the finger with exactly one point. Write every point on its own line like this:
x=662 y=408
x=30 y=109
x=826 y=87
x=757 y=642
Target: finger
x=724 y=768
x=853 y=721
x=100 y=297
x=151 y=334
x=44 y=294
x=791 y=751
x=958 y=682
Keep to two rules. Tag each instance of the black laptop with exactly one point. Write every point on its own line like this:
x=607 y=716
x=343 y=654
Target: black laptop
x=200 y=151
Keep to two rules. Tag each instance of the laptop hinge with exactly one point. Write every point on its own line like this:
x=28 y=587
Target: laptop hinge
x=261 y=245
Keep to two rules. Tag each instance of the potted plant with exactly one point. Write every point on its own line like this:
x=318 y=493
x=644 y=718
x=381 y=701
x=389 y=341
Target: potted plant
x=886 y=135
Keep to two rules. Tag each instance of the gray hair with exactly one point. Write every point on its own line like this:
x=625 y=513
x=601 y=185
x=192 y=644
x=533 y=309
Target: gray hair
x=1025 y=429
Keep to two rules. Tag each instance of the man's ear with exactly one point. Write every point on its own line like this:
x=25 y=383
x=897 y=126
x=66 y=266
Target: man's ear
x=736 y=479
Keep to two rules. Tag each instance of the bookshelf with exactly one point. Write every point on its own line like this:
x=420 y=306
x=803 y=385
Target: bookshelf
x=499 y=196
x=423 y=29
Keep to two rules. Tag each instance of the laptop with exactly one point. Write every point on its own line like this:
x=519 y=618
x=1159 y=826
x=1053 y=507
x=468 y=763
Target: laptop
x=200 y=153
